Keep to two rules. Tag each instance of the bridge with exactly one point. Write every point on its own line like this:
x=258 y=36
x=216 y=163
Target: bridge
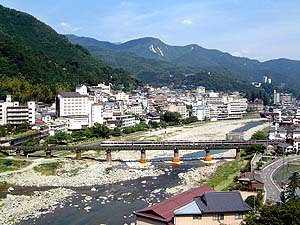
x=142 y=146
x=22 y=140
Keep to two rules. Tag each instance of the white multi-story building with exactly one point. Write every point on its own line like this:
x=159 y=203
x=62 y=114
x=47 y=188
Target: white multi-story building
x=77 y=110
x=121 y=96
x=71 y=104
x=96 y=115
x=218 y=106
x=14 y=113
x=136 y=110
x=202 y=112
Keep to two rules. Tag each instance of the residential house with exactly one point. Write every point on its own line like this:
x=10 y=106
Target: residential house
x=252 y=181
x=213 y=208
x=198 y=206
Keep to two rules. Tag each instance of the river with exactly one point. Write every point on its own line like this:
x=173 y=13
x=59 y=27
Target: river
x=122 y=198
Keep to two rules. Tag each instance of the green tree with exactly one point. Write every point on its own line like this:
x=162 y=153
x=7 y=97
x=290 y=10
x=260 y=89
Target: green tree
x=171 y=117
x=116 y=132
x=259 y=135
x=293 y=185
x=100 y=130
x=254 y=201
x=288 y=213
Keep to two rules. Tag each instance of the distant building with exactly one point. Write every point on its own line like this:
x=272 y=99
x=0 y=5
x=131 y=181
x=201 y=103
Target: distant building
x=179 y=108
x=284 y=99
x=153 y=117
x=202 y=112
x=81 y=89
x=15 y=114
x=200 y=90
x=252 y=181
x=136 y=110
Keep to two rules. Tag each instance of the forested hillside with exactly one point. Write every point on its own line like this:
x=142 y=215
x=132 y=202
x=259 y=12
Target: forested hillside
x=36 y=62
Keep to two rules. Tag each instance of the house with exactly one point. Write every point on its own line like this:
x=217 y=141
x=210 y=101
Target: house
x=153 y=116
x=252 y=181
x=284 y=148
x=213 y=208
x=163 y=212
x=196 y=206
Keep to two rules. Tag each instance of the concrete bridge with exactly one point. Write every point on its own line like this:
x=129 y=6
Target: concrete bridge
x=142 y=146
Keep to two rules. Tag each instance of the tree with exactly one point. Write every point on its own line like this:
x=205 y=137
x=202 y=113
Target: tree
x=293 y=185
x=100 y=130
x=254 y=201
x=116 y=132
x=288 y=213
x=259 y=135
x=171 y=117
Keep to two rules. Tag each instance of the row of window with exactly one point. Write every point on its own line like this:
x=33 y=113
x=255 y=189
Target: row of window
x=218 y=216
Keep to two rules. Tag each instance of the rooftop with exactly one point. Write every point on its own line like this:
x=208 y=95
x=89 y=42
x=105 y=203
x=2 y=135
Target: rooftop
x=217 y=202
x=164 y=211
x=71 y=94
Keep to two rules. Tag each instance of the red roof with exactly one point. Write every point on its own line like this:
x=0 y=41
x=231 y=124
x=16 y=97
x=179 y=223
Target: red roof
x=164 y=211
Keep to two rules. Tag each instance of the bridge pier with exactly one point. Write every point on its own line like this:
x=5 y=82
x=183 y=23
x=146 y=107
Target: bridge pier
x=78 y=154
x=18 y=153
x=176 y=158
x=48 y=153
x=207 y=156
x=108 y=156
x=238 y=153
x=143 y=159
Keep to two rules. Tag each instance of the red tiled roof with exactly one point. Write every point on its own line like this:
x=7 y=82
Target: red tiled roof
x=164 y=211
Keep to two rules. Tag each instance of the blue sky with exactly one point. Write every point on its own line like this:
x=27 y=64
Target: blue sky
x=261 y=29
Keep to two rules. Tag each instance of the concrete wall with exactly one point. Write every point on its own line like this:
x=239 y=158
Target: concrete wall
x=229 y=219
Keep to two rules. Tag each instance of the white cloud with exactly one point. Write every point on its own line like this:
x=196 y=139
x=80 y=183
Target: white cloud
x=68 y=27
x=187 y=21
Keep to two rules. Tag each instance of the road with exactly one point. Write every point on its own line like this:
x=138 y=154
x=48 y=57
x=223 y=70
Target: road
x=271 y=188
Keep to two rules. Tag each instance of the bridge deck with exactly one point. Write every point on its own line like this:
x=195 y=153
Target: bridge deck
x=149 y=145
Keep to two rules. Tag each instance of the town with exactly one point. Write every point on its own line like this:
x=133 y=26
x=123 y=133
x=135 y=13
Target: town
x=149 y=113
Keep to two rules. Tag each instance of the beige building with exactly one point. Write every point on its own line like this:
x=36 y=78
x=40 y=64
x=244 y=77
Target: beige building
x=179 y=108
x=199 y=206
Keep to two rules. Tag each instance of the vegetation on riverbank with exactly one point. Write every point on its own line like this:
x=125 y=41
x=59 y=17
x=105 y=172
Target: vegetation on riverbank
x=10 y=165
x=48 y=169
x=224 y=175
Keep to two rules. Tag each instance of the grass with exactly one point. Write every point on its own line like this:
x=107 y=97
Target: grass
x=19 y=135
x=224 y=175
x=48 y=169
x=10 y=165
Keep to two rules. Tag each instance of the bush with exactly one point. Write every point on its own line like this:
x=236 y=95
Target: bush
x=116 y=132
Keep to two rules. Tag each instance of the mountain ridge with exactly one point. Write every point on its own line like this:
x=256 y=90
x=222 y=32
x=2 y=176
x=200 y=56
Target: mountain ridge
x=195 y=56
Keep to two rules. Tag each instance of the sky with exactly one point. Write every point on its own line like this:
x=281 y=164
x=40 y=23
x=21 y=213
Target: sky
x=259 y=29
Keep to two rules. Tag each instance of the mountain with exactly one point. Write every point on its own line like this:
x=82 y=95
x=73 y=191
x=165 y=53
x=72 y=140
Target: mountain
x=197 y=58
x=157 y=71
x=36 y=62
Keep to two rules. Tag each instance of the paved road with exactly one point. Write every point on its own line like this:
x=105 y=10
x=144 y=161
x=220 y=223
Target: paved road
x=271 y=188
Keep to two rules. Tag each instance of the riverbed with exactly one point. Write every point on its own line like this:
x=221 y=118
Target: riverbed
x=114 y=204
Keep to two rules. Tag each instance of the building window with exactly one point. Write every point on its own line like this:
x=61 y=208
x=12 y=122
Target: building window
x=218 y=217
x=239 y=216
x=197 y=217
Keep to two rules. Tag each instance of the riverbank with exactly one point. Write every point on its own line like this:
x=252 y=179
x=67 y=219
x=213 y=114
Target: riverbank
x=15 y=208
x=123 y=186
